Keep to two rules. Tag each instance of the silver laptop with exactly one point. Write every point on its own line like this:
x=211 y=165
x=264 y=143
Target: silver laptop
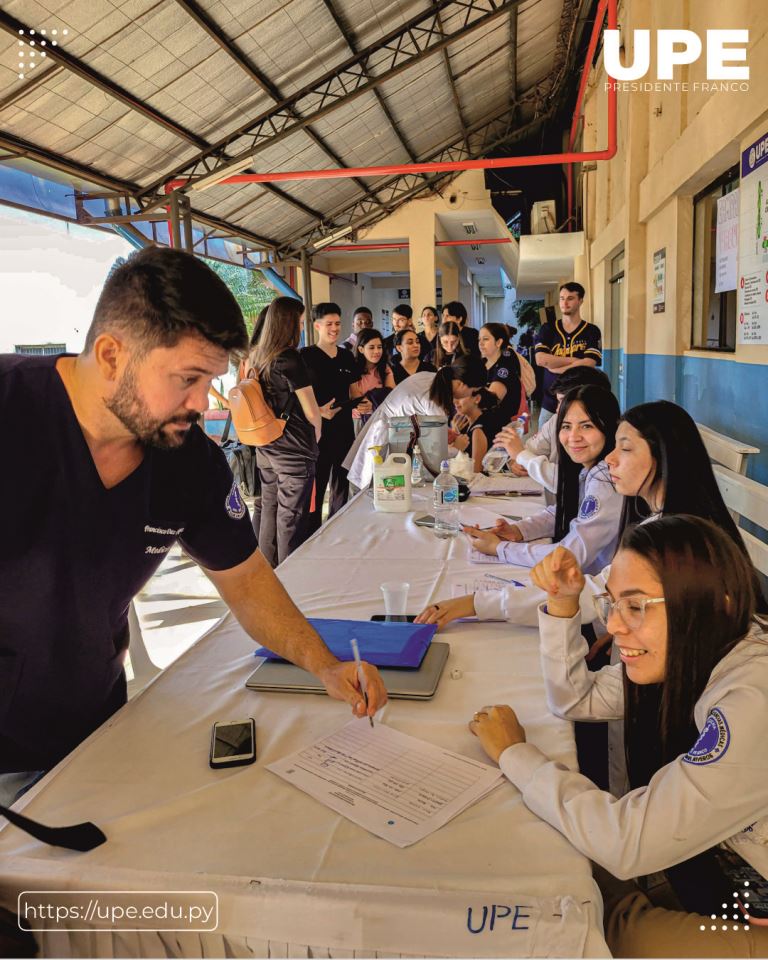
x=401 y=683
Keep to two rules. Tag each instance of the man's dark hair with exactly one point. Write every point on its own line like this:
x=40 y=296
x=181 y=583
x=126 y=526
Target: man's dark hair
x=362 y=310
x=404 y=310
x=321 y=310
x=456 y=309
x=573 y=287
x=159 y=296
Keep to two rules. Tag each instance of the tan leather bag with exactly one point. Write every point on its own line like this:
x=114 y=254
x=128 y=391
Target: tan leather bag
x=252 y=416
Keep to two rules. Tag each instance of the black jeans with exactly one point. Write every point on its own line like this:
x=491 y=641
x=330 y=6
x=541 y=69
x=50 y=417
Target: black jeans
x=280 y=517
x=329 y=468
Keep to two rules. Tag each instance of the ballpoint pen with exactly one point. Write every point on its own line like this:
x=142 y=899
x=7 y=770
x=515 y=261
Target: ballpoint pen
x=360 y=675
x=515 y=583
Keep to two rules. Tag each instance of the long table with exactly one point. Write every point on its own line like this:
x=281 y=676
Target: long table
x=292 y=877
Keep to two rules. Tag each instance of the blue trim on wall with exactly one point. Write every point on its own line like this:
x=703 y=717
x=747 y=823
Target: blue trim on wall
x=727 y=396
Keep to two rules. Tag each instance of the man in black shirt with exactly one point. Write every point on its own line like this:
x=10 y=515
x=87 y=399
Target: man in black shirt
x=333 y=371
x=564 y=344
x=402 y=317
x=105 y=468
x=362 y=319
x=456 y=312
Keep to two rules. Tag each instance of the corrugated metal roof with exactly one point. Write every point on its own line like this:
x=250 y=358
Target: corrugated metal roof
x=163 y=58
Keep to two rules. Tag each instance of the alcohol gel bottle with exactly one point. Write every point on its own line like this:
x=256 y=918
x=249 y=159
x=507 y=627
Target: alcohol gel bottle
x=391 y=482
x=417 y=476
x=445 y=502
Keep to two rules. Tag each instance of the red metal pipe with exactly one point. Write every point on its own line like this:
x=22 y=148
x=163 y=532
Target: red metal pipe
x=610 y=6
x=354 y=247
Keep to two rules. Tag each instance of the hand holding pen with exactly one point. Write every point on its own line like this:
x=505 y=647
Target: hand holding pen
x=361 y=675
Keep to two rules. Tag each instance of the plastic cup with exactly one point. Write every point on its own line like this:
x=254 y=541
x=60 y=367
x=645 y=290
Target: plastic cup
x=395 y=597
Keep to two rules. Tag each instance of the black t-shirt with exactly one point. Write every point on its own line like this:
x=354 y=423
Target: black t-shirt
x=390 y=350
x=427 y=347
x=506 y=371
x=584 y=342
x=332 y=378
x=400 y=373
x=287 y=374
x=488 y=422
x=73 y=555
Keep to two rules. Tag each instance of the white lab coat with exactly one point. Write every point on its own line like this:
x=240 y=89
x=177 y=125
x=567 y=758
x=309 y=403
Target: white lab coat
x=521 y=604
x=539 y=457
x=408 y=398
x=593 y=533
x=712 y=794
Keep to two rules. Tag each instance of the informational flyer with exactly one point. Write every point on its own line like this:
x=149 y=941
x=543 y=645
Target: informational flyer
x=753 y=253
x=726 y=269
x=659 y=280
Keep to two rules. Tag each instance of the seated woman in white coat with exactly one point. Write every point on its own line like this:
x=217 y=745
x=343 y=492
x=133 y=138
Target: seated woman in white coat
x=587 y=512
x=692 y=690
x=661 y=467
x=430 y=394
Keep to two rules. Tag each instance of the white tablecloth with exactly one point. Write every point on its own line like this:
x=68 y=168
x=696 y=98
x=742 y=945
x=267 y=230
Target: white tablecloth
x=286 y=868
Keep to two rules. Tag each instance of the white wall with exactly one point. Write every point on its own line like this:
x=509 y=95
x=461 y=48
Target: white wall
x=51 y=274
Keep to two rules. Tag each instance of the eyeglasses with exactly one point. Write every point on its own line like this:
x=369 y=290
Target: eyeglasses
x=630 y=609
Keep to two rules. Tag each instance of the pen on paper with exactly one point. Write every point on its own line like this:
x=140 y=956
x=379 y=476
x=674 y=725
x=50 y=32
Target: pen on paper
x=361 y=675
x=515 y=583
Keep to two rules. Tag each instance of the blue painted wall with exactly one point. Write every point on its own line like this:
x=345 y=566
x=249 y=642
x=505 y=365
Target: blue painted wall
x=729 y=397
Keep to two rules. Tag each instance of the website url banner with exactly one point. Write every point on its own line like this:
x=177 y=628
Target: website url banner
x=168 y=910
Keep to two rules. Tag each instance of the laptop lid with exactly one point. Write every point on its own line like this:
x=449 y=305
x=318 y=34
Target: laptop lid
x=402 y=684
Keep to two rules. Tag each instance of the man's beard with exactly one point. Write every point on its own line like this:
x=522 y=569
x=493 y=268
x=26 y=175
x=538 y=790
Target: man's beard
x=131 y=410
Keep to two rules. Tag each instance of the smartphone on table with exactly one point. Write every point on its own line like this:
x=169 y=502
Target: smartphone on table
x=233 y=743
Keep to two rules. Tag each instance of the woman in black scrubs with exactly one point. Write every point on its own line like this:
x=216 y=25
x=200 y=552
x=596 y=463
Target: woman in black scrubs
x=503 y=369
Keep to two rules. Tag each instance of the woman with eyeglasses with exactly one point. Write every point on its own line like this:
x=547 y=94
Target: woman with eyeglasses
x=661 y=467
x=692 y=691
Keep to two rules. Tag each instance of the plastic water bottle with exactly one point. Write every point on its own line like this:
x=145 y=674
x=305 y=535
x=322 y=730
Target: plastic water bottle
x=417 y=475
x=445 y=502
x=521 y=425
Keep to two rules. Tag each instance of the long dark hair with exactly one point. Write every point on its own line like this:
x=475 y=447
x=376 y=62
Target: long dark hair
x=469 y=370
x=683 y=474
x=364 y=337
x=603 y=410
x=280 y=330
x=710 y=604
x=446 y=329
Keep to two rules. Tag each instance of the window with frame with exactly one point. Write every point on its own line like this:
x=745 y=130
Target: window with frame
x=713 y=314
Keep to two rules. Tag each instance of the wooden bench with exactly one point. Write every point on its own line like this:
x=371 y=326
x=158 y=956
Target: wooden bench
x=747 y=500
x=725 y=450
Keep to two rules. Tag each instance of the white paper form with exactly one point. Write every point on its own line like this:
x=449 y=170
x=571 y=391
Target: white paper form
x=397 y=787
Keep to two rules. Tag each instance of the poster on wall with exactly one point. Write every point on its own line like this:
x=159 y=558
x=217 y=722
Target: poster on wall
x=659 y=280
x=753 y=245
x=727 y=242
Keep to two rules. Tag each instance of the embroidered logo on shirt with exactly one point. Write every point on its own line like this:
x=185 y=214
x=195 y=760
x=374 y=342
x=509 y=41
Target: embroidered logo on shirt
x=713 y=740
x=235 y=505
x=502 y=372
x=589 y=507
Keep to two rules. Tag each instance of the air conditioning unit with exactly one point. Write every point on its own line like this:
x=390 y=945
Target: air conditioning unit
x=544 y=217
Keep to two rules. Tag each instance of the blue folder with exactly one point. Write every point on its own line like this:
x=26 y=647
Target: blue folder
x=382 y=644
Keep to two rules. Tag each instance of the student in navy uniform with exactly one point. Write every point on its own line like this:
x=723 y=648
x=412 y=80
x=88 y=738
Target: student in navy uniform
x=565 y=344
x=408 y=346
x=118 y=472
x=428 y=336
x=456 y=312
x=503 y=368
x=476 y=423
x=333 y=372
x=402 y=319
x=692 y=692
